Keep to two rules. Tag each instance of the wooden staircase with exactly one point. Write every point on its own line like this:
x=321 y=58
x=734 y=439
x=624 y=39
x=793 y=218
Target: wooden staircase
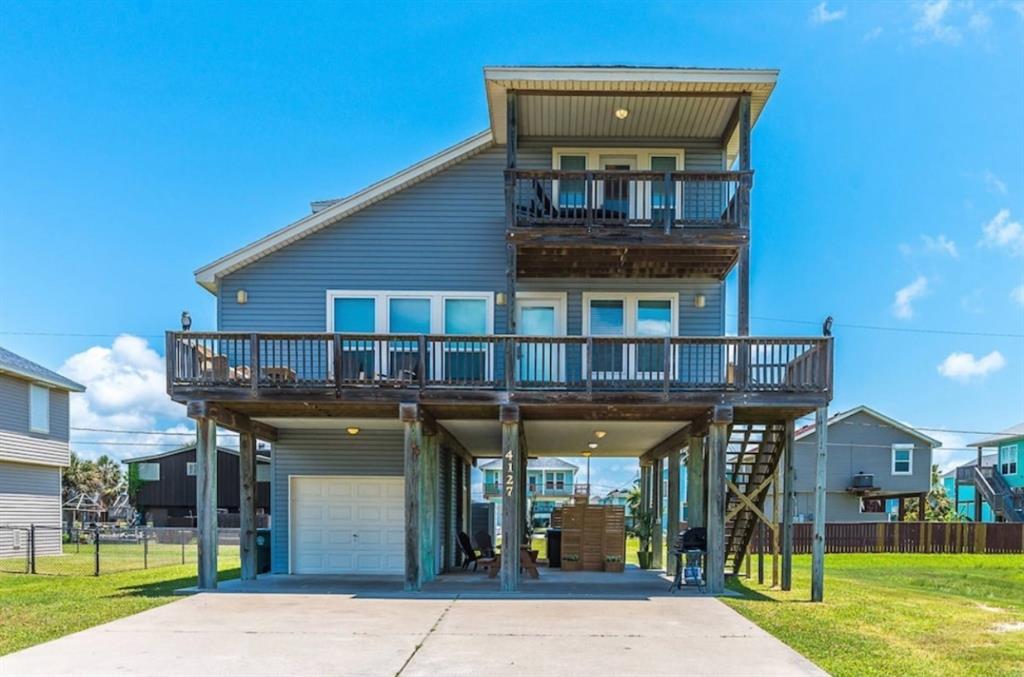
x=752 y=457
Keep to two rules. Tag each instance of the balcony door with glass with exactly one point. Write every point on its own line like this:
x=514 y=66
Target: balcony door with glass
x=629 y=321
x=540 y=361
x=617 y=203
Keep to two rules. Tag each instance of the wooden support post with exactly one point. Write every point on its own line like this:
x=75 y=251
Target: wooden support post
x=977 y=494
x=743 y=266
x=410 y=417
x=718 y=442
x=673 y=507
x=247 y=505
x=512 y=489
x=761 y=538
x=451 y=510
x=775 y=526
x=820 y=494
x=206 y=501
x=430 y=531
x=657 y=539
x=467 y=498
x=788 y=505
x=695 y=502
x=511 y=162
x=901 y=512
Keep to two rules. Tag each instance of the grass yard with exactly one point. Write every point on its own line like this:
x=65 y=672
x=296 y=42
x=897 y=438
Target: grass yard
x=893 y=614
x=36 y=609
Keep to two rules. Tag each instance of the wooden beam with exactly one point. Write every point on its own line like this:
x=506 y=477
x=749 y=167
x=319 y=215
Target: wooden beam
x=232 y=420
x=673 y=442
x=413 y=443
x=206 y=501
x=747 y=501
x=743 y=294
x=820 y=494
x=695 y=503
x=512 y=487
x=788 y=504
x=657 y=541
x=745 y=129
x=776 y=478
x=247 y=505
x=673 y=507
x=511 y=128
x=718 y=441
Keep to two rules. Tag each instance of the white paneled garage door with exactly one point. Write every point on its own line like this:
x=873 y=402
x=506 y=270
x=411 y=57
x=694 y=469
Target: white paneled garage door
x=347 y=524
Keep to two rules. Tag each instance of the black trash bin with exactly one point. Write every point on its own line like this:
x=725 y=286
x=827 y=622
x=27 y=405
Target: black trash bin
x=263 y=551
x=555 y=548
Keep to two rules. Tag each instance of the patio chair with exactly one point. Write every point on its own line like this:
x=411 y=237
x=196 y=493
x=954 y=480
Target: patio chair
x=483 y=541
x=468 y=553
x=526 y=563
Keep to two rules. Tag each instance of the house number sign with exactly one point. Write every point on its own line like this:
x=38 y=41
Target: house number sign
x=510 y=477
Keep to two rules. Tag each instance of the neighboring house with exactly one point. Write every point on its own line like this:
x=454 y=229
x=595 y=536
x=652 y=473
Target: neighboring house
x=996 y=489
x=167 y=485
x=874 y=464
x=34 y=430
x=550 y=482
x=964 y=494
x=619 y=497
x=567 y=265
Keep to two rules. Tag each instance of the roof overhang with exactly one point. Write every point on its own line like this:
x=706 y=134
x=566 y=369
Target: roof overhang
x=63 y=384
x=616 y=85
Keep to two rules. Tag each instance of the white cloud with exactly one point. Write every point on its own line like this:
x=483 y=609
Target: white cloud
x=994 y=183
x=931 y=24
x=1017 y=294
x=821 y=14
x=941 y=245
x=1002 y=232
x=125 y=390
x=979 y=22
x=902 y=306
x=873 y=34
x=965 y=366
x=1018 y=7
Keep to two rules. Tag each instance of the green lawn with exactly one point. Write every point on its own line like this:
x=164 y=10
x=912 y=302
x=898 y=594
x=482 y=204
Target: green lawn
x=39 y=608
x=901 y=615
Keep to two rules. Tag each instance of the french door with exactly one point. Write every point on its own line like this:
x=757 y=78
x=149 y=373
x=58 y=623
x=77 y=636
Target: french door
x=622 y=317
x=540 y=362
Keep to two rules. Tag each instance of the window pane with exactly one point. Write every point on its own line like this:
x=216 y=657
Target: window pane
x=409 y=316
x=662 y=200
x=465 y=317
x=607 y=318
x=663 y=164
x=571 y=193
x=39 y=408
x=537 y=321
x=654 y=318
x=354 y=315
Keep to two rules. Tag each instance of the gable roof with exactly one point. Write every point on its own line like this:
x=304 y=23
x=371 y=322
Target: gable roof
x=260 y=458
x=328 y=212
x=547 y=463
x=1010 y=433
x=808 y=430
x=987 y=461
x=16 y=365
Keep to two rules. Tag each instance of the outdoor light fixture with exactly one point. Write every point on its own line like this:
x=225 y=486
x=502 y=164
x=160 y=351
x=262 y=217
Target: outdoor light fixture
x=699 y=301
x=586 y=454
x=242 y=297
x=352 y=430
x=599 y=434
x=621 y=113
x=500 y=299
x=592 y=445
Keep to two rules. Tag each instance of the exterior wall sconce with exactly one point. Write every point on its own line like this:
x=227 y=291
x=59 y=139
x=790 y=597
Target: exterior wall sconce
x=699 y=301
x=241 y=297
x=352 y=430
x=500 y=298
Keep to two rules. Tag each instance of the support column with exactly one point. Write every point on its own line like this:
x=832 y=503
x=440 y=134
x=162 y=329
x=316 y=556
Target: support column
x=743 y=265
x=673 y=507
x=695 y=498
x=247 y=505
x=451 y=511
x=788 y=505
x=511 y=161
x=977 y=494
x=718 y=441
x=513 y=485
x=658 y=540
x=818 y=555
x=409 y=415
x=206 y=501
x=467 y=498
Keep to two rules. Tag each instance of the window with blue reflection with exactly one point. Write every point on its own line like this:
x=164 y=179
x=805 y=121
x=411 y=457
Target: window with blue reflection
x=653 y=318
x=607 y=318
x=354 y=315
x=572 y=192
x=465 y=360
x=662 y=200
x=465 y=316
x=409 y=316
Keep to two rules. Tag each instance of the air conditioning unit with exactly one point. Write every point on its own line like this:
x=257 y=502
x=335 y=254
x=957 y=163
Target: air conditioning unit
x=863 y=481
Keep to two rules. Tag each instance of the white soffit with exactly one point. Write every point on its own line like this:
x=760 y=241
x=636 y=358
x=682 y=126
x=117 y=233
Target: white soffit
x=566 y=438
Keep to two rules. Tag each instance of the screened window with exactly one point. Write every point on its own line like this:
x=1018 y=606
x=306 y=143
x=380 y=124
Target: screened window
x=1008 y=460
x=902 y=459
x=572 y=192
x=39 y=409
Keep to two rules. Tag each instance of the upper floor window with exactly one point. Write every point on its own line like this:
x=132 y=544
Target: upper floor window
x=902 y=459
x=415 y=312
x=149 y=472
x=38 y=409
x=1008 y=460
x=262 y=472
x=190 y=468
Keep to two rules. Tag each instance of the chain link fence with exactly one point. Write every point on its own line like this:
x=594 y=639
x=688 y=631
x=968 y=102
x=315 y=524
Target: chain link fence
x=95 y=551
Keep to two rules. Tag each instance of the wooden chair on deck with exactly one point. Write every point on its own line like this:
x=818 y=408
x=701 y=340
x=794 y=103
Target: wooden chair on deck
x=526 y=563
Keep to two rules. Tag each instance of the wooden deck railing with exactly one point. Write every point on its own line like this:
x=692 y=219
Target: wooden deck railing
x=594 y=199
x=265 y=361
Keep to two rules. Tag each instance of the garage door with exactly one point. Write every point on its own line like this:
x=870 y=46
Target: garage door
x=347 y=524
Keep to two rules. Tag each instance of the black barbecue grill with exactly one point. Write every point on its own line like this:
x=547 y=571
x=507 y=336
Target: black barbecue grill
x=693 y=543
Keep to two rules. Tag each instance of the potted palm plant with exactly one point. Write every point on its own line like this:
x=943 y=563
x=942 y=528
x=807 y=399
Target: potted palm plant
x=643 y=529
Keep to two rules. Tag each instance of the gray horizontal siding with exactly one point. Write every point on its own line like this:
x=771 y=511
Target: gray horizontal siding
x=30 y=494
x=325 y=452
x=14 y=415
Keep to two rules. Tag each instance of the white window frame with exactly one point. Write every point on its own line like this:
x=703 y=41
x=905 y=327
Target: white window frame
x=1008 y=449
x=190 y=468
x=642 y=162
x=149 y=464
x=382 y=300
x=902 y=447
x=38 y=408
x=630 y=304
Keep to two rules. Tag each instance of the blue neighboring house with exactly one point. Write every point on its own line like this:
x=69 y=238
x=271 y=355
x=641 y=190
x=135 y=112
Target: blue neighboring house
x=997 y=477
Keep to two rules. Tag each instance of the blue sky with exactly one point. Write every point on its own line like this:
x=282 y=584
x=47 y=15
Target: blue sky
x=141 y=140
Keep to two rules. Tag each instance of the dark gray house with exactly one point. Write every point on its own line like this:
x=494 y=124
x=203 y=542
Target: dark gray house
x=875 y=463
x=34 y=430
x=555 y=283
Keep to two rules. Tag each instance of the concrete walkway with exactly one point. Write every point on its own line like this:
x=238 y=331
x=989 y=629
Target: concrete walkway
x=369 y=633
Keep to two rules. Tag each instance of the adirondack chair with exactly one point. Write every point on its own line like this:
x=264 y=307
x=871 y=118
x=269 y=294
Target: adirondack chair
x=469 y=555
x=526 y=564
x=483 y=541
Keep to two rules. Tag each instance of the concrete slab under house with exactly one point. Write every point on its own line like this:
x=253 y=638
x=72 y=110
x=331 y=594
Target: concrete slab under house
x=558 y=275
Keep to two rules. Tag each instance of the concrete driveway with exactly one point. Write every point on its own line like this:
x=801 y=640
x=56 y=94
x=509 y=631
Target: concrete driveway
x=356 y=634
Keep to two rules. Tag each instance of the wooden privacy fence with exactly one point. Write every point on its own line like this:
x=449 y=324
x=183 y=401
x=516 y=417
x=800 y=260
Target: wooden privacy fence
x=915 y=537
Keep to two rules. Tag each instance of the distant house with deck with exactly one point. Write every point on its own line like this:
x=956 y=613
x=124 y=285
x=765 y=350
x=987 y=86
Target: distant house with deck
x=550 y=483
x=34 y=432
x=992 y=485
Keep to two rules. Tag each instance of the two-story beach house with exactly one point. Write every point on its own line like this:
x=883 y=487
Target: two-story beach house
x=550 y=482
x=565 y=266
x=34 y=431
x=991 y=487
